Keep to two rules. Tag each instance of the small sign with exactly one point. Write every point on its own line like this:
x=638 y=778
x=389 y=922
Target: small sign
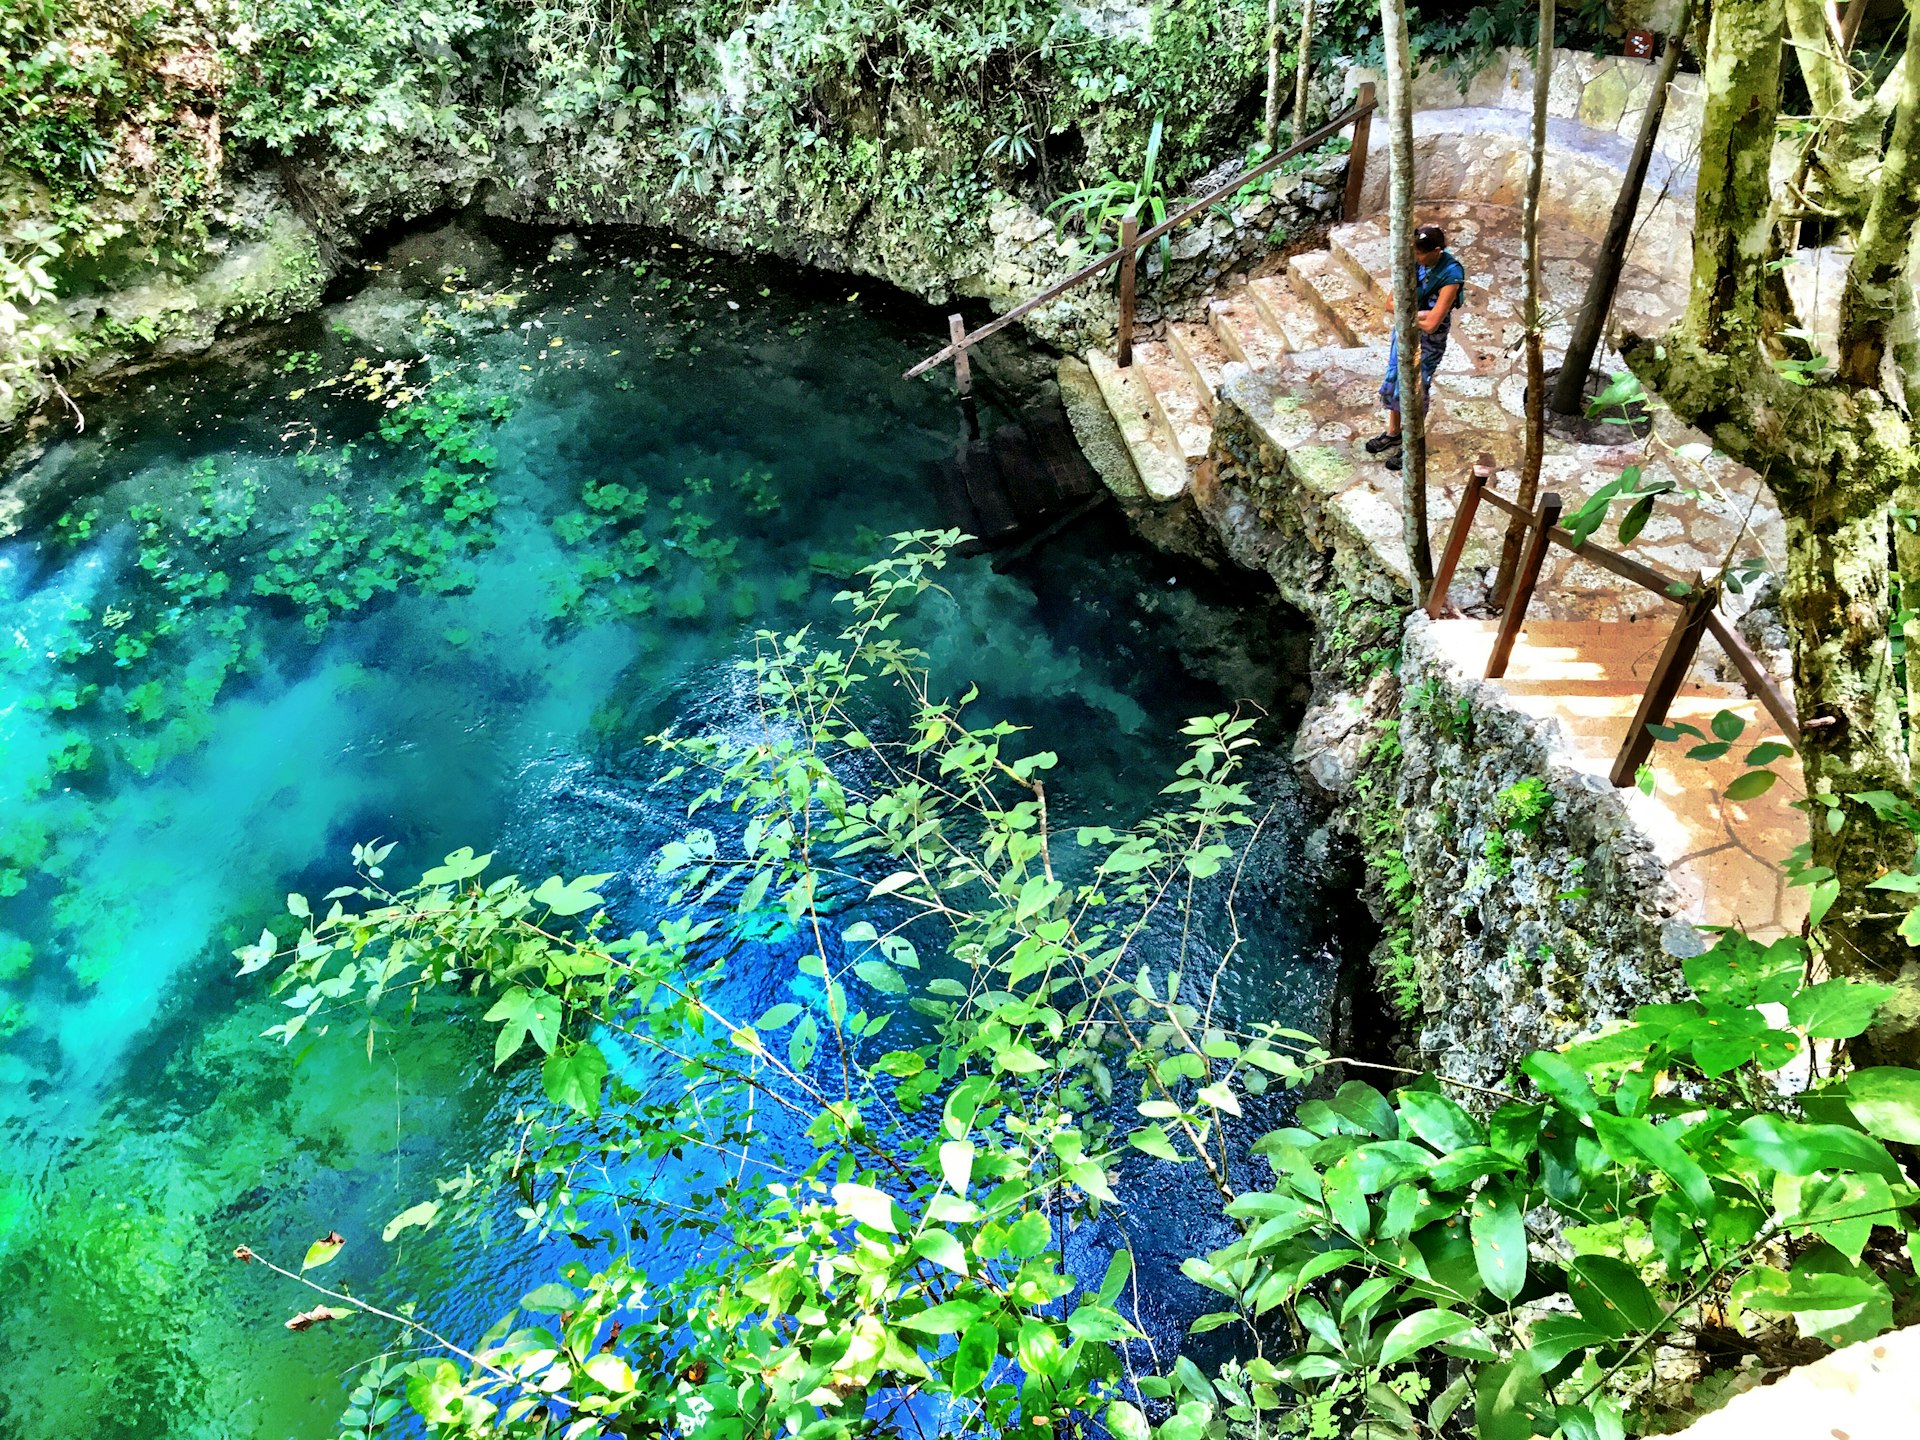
x=1640 y=44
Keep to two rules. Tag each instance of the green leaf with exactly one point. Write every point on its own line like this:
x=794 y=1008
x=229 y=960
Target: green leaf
x=1030 y=1234
x=611 y=1373
x=553 y=1298
x=778 y=1017
x=1767 y=752
x=1126 y=1423
x=1559 y=1079
x=524 y=1012
x=321 y=1251
x=944 y=1249
x=1750 y=785
x=949 y=1318
x=1366 y=1107
x=572 y=1078
x=956 y=1164
x=1727 y=725
x=1499 y=1239
x=1413 y=1333
x=979 y=1346
x=1884 y=1100
x=1503 y=1394
x=1438 y=1121
x=570 y=897
x=1115 y=1280
x=867 y=1206
x=1099 y=1324
x=1629 y=1139
x=1554 y=1337
x=419 y=1216
x=1611 y=1296
x=1797 y=1149
x=881 y=976
x=1635 y=520
x=1837 y=1009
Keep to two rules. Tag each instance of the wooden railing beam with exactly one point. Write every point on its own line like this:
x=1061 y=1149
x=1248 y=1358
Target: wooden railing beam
x=1357 y=156
x=1545 y=514
x=1457 y=536
x=1757 y=679
x=962 y=367
x=1129 y=261
x=1669 y=674
x=1147 y=237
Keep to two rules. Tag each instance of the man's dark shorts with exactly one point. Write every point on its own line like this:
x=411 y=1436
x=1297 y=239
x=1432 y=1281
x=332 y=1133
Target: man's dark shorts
x=1432 y=347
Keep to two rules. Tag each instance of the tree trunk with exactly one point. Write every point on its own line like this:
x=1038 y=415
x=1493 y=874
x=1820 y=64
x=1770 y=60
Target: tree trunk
x=1413 y=444
x=1877 y=279
x=1732 y=230
x=1271 y=131
x=1569 y=391
x=1530 y=263
x=1302 y=70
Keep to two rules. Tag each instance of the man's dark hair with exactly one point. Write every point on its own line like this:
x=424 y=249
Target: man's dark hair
x=1429 y=237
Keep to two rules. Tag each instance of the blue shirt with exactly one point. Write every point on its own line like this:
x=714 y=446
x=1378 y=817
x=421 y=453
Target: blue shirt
x=1430 y=281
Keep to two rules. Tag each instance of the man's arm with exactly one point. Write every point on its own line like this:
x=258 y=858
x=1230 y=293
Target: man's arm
x=1429 y=320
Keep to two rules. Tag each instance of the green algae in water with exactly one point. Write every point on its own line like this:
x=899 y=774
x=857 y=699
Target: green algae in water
x=429 y=567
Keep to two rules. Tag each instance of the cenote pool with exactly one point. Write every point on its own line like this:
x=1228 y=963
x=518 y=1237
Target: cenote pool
x=429 y=566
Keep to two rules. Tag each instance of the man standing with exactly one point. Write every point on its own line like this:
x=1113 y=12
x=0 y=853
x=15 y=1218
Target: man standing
x=1437 y=286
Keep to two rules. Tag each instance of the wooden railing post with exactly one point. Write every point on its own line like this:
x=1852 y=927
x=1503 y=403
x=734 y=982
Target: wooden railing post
x=1357 y=156
x=1546 y=514
x=1457 y=536
x=1129 y=259
x=1669 y=674
x=962 y=367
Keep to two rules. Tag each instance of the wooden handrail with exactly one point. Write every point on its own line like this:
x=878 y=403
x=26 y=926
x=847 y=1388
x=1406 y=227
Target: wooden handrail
x=1758 y=680
x=1361 y=111
x=1625 y=566
x=1698 y=600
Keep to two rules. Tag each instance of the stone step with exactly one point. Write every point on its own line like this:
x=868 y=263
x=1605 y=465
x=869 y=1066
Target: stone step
x=1243 y=332
x=1176 y=398
x=1155 y=454
x=1292 y=316
x=1344 y=305
x=1202 y=356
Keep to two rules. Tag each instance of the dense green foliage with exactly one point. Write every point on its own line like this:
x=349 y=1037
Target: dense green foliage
x=988 y=1040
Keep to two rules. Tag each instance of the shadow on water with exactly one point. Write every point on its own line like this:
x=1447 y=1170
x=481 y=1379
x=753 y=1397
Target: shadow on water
x=179 y=749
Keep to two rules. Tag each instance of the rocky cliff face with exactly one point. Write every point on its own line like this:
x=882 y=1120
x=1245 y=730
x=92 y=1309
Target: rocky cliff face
x=1518 y=900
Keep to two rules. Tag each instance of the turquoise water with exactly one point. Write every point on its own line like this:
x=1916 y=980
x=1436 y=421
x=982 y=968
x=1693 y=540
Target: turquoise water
x=428 y=567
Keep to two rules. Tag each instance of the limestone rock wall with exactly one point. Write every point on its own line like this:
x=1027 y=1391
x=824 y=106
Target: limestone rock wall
x=1513 y=939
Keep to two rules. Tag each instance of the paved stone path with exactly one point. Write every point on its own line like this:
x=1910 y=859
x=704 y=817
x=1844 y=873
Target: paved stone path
x=1303 y=352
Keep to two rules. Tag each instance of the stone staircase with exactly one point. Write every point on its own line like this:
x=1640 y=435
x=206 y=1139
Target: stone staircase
x=1302 y=351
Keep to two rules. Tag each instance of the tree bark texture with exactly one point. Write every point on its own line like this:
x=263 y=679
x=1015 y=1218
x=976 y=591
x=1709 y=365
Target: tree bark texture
x=1878 y=277
x=1270 y=132
x=1413 y=444
x=1302 y=70
x=1734 y=195
x=1536 y=446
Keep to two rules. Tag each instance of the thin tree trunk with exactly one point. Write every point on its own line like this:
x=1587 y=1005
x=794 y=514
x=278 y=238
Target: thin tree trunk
x=1530 y=263
x=1271 y=133
x=1302 y=70
x=1569 y=391
x=1413 y=443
